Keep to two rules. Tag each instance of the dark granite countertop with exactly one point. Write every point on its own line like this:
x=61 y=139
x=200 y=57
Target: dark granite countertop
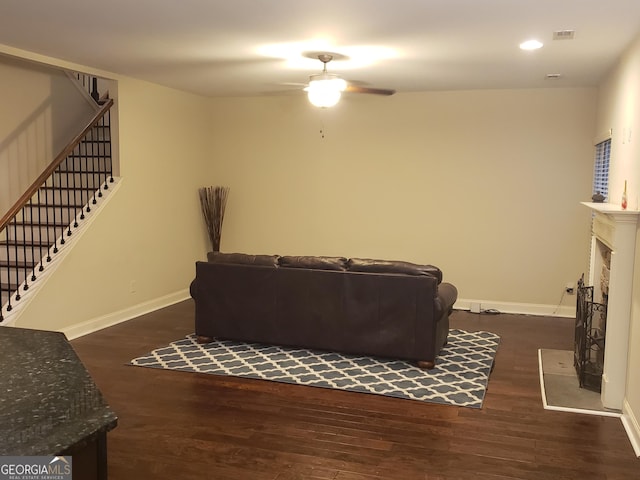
x=49 y=403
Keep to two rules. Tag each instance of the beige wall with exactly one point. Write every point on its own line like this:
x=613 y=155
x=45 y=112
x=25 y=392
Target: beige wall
x=619 y=110
x=41 y=112
x=484 y=184
x=150 y=232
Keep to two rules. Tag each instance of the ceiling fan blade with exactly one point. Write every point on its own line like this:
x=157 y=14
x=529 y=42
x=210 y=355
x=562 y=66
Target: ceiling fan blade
x=376 y=91
x=286 y=92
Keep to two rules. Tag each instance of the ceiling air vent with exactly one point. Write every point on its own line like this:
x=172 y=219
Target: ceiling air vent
x=564 y=34
x=553 y=76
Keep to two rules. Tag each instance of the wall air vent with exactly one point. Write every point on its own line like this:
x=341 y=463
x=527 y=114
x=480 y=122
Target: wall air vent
x=564 y=34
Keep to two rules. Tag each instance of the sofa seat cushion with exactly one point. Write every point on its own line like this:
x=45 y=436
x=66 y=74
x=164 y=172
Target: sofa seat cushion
x=369 y=265
x=314 y=262
x=243 y=259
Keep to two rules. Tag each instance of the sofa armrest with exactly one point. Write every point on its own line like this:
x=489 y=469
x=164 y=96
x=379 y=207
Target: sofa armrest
x=447 y=295
x=193 y=288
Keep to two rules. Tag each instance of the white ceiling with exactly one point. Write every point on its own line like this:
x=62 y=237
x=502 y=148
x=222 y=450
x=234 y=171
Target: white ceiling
x=231 y=47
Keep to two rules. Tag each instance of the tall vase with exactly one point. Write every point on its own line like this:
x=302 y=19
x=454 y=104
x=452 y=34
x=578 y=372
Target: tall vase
x=213 y=202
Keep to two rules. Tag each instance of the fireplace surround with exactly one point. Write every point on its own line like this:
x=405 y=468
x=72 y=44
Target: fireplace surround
x=614 y=233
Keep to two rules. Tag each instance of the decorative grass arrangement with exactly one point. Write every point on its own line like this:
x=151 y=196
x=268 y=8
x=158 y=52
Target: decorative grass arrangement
x=213 y=201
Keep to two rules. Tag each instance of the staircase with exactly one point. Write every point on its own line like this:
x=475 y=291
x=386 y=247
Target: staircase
x=45 y=217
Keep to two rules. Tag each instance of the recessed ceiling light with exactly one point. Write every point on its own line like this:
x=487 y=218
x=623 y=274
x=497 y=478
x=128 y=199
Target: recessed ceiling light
x=531 y=45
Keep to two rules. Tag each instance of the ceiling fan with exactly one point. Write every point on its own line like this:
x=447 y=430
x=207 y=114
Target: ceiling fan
x=325 y=89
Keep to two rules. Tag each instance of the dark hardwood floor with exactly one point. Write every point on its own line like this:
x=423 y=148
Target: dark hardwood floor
x=175 y=425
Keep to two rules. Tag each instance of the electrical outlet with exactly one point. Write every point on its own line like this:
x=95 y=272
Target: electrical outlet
x=132 y=286
x=570 y=288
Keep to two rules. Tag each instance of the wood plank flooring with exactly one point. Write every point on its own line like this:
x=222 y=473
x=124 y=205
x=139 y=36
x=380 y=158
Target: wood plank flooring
x=175 y=425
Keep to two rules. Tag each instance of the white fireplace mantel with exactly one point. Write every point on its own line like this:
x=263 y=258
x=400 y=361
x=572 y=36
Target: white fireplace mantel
x=616 y=228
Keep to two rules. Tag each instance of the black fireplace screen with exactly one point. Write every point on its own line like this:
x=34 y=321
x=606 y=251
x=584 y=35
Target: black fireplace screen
x=588 y=354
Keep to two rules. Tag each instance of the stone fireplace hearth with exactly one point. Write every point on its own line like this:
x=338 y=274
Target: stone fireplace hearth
x=613 y=241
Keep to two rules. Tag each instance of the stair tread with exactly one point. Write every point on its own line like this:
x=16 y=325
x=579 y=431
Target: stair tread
x=47 y=187
x=41 y=224
x=84 y=176
x=6 y=288
x=51 y=205
x=25 y=243
x=83 y=172
x=20 y=264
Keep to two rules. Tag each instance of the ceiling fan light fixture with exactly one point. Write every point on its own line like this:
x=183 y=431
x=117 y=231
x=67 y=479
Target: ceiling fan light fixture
x=325 y=90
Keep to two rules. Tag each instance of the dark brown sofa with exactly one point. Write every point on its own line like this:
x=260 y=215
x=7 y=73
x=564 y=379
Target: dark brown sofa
x=357 y=306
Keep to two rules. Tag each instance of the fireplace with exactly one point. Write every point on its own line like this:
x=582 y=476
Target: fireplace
x=613 y=242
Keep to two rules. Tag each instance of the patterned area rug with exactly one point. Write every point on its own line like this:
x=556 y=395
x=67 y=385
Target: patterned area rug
x=459 y=378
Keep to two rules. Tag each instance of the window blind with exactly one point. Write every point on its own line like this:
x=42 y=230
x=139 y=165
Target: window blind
x=601 y=168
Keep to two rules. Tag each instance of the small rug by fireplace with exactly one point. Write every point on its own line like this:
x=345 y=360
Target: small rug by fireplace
x=560 y=387
x=459 y=378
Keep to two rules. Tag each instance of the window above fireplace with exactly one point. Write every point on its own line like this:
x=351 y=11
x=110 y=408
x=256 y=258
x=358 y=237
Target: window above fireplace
x=601 y=169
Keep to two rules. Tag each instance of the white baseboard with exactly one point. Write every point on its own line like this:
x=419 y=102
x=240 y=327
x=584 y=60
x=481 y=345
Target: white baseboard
x=120 y=316
x=632 y=426
x=518 y=308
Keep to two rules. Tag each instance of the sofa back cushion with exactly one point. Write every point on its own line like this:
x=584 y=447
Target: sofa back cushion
x=365 y=314
x=243 y=259
x=392 y=266
x=314 y=262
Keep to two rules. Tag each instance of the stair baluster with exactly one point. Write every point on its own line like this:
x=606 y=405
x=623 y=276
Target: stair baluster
x=7 y=286
x=31 y=263
x=109 y=160
x=52 y=190
x=67 y=188
x=15 y=261
x=94 y=89
x=71 y=181
x=95 y=164
x=46 y=209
